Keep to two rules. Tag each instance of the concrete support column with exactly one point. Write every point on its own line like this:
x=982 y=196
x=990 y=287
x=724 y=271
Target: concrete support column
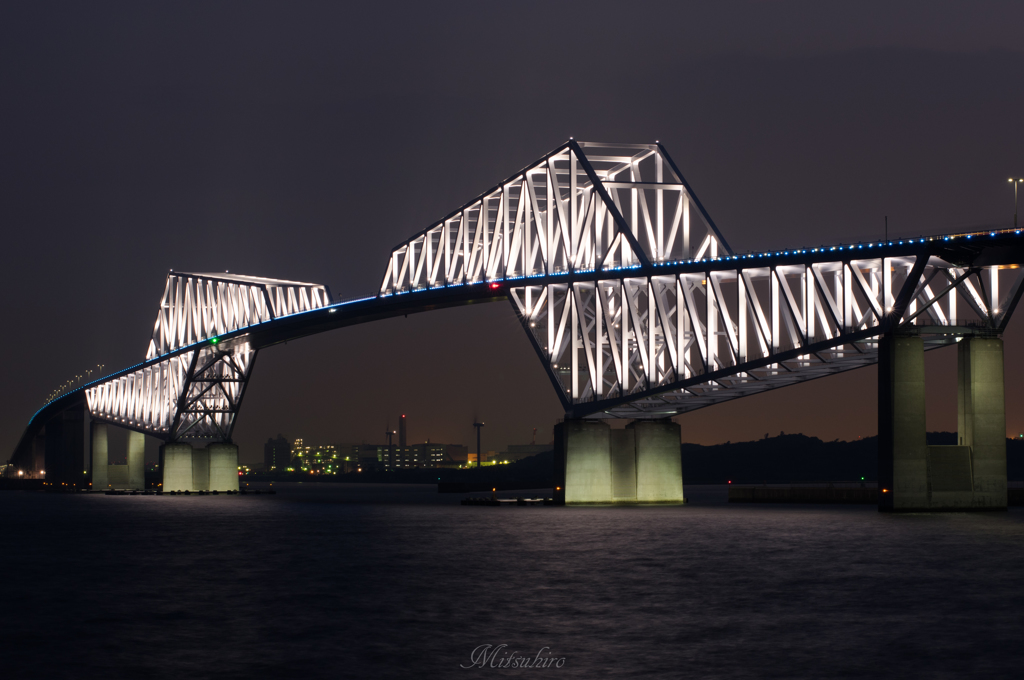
x=136 y=460
x=201 y=469
x=583 y=462
x=902 y=446
x=981 y=418
x=969 y=475
x=100 y=456
x=176 y=464
x=223 y=467
x=659 y=468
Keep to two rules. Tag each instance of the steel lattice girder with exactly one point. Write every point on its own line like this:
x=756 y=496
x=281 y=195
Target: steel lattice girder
x=625 y=346
x=620 y=206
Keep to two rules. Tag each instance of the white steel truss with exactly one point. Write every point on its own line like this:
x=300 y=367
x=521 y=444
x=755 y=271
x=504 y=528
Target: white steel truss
x=196 y=389
x=197 y=307
x=611 y=208
x=658 y=345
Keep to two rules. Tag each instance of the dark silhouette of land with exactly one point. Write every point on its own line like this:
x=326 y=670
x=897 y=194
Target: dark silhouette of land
x=783 y=459
x=797 y=458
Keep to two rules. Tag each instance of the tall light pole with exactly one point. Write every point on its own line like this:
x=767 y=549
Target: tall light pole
x=1015 y=182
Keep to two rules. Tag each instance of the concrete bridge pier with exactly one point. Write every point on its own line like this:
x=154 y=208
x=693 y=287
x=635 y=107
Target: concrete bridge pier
x=136 y=460
x=176 y=466
x=223 y=462
x=214 y=468
x=106 y=476
x=595 y=464
x=913 y=476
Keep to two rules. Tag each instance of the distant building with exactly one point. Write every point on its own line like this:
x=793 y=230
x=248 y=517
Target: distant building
x=277 y=455
x=384 y=457
x=316 y=460
x=369 y=457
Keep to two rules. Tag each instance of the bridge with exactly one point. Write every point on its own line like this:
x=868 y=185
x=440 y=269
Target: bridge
x=636 y=306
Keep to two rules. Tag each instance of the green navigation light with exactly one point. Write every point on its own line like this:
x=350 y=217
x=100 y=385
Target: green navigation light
x=214 y=341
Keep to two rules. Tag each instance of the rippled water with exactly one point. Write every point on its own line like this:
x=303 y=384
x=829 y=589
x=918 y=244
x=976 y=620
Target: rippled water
x=340 y=581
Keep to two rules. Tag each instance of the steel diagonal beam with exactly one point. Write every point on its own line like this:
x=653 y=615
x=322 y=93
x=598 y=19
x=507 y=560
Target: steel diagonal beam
x=833 y=307
x=698 y=329
x=975 y=301
x=581 y=410
x=903 y=298
x=866 y=289
x=566 y=403
x=666 y=325
x=623 y=228
x=1011 y=301
x=585 y=334
x=613 y=343
x=730 y=328
x=952 y=284
x=172 y=432
x=696 y=201
x=794 y=308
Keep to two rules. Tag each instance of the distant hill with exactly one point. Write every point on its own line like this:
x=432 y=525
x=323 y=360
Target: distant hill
x=798 y=458
x=787 y=458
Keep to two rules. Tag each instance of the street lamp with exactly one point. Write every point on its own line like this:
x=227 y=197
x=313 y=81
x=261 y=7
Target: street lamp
x=1015 y=182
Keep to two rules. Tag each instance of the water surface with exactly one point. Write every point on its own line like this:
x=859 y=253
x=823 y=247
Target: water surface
x=361 y=581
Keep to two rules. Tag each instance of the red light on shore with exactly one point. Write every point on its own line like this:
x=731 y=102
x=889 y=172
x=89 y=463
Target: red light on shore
x=730 y=481
x=495 y=285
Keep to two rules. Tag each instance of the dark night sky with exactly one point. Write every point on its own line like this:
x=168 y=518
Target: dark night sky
x=305 y=140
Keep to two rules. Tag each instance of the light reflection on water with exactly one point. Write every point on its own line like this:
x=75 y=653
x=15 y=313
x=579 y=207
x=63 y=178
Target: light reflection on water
x=368 y=581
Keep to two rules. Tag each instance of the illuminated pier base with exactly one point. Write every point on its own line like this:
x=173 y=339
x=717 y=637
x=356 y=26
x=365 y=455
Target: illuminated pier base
x=595 y=464
x=659 y=467
x=913 y=476
x=106 y=476
x=136 y=460
x=176 y=464
x=200 y=470
x=214 y=468
x=223 y=467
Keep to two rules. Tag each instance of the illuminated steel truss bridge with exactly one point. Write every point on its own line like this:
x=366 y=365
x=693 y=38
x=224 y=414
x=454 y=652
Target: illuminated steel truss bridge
x=632 y=298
